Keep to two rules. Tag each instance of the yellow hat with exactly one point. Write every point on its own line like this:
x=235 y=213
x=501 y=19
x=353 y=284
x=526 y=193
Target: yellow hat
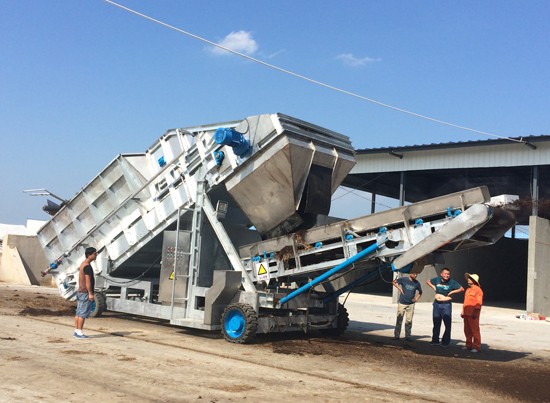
x=474 y=277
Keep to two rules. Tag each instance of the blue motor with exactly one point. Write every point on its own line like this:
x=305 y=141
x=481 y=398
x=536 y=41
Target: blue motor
x=234 y=139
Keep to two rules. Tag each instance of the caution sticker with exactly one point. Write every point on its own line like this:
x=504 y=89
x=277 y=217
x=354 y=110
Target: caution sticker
x=262 y=270
x=263 y=274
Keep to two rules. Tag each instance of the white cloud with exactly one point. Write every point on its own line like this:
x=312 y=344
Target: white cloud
x=351 y=60
x=240 y=41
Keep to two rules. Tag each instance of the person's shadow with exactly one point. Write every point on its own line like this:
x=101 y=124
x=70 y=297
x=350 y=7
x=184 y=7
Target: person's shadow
x=420 y=346
x=111 y=334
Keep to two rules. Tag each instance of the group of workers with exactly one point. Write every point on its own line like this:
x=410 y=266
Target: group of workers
x=444 y=287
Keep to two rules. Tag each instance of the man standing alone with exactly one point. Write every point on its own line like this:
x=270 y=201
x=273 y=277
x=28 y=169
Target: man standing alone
x=405 y=305
x=85 y=292
x=444 y=287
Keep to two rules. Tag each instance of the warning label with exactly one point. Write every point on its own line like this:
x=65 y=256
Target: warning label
x=263 y=274
x=262 y=270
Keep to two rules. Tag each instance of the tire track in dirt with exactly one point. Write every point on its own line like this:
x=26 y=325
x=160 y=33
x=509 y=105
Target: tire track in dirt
x=392 y=391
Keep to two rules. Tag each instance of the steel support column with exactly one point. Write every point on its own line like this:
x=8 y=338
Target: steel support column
x=402 y=189
x=535 y=191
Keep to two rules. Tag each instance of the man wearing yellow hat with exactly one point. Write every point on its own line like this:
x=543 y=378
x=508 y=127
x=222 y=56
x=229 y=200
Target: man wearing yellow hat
x=473 y=299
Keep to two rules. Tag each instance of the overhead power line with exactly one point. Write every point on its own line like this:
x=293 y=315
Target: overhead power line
x=314 y=81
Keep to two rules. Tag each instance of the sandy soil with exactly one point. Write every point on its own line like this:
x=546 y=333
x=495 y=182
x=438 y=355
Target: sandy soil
x=140 y=359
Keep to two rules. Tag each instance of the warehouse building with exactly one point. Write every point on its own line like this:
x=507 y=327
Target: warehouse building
x=517 y=267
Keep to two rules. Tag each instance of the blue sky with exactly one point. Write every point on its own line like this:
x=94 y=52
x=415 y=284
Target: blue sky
x=82 y=81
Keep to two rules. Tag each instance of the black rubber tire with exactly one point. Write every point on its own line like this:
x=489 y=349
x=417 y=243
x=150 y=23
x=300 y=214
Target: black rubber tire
x=246 y=313
x=342 y=322
x=100 y=305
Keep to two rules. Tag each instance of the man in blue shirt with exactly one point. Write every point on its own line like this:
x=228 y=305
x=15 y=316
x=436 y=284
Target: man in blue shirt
x=444 y=287
x=405 y=306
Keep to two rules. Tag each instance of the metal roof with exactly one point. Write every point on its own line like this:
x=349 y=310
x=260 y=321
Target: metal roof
x=483 y=154
x=458 y=144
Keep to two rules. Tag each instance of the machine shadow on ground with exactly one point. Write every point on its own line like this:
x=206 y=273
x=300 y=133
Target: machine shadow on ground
x=350 y=343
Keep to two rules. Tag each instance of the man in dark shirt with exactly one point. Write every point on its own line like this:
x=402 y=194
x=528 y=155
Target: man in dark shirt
x=85 y=292
x=405 y=306
x=444 y=287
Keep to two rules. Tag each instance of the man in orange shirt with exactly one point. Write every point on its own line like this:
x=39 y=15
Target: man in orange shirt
x=473 y=299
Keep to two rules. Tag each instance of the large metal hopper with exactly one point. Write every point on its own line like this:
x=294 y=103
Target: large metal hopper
x=293 y=172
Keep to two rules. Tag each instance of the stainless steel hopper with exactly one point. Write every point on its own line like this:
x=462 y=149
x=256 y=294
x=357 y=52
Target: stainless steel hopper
x=291 y=175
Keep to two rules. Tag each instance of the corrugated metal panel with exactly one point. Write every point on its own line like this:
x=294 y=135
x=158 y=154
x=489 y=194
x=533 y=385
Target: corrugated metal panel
x=497 y=155
x=535 y=140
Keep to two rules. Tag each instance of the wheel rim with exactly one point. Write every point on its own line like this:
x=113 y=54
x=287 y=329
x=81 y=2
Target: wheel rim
x=234 y=323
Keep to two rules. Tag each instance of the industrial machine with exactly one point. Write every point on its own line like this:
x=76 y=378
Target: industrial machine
x=225 y=226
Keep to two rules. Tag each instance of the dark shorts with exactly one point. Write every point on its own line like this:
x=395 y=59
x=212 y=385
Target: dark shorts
x=84 y=306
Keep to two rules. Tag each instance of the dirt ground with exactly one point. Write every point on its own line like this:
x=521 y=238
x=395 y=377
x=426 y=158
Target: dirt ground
x=140 y=359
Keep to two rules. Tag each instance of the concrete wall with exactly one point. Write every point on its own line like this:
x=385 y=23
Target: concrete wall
x=22 y=260
x=13 y=269
x=538 y=266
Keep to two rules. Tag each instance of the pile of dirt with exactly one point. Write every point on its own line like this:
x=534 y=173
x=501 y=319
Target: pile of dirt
x=47 y=312
x=32 y=303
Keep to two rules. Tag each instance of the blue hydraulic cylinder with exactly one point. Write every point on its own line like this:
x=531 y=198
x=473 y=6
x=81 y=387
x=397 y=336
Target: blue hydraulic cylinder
x=234 y=139
x=370 y=250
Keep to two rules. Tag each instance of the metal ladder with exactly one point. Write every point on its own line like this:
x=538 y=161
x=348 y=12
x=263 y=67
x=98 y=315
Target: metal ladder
x=194 y=248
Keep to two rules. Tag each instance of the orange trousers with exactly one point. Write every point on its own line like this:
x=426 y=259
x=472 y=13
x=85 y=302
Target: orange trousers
x=471 y=331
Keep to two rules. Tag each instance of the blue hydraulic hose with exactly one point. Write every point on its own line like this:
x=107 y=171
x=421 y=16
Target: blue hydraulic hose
x=371 y=249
